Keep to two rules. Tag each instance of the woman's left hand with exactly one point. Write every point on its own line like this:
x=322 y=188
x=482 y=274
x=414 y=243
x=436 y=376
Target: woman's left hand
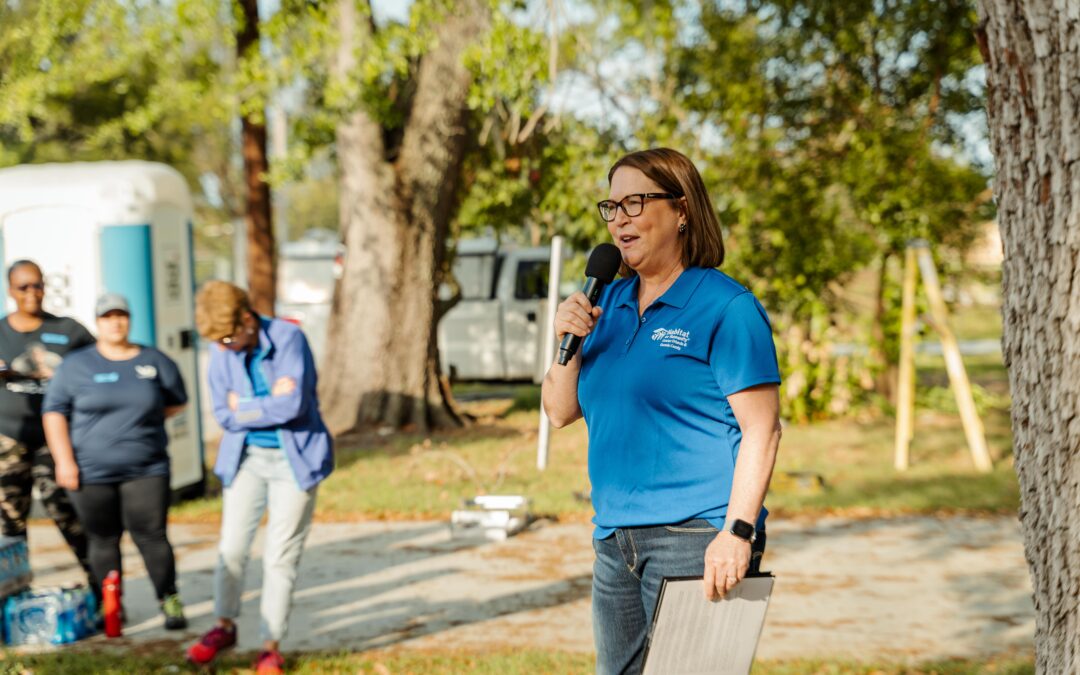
x=726 y=561
x=233 y=399
x=67 y=475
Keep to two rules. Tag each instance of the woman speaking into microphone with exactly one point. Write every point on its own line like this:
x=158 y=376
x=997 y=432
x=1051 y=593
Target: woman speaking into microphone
x=677 y=381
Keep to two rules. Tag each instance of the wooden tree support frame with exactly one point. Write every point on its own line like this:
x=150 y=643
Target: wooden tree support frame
x=919 y=262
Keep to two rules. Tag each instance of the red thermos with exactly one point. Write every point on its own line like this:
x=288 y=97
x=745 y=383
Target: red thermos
x=110 y=604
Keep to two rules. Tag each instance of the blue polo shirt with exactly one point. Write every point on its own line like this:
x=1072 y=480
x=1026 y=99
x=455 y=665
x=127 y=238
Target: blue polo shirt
x=653 y=390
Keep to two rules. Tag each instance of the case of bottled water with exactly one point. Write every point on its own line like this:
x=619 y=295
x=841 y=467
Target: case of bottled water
x=50 y=616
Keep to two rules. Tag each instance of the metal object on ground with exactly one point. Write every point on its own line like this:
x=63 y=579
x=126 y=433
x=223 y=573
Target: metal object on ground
x=494 y=517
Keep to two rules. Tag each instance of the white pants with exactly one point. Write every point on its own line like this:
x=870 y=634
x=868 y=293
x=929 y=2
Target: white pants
x=265 y=477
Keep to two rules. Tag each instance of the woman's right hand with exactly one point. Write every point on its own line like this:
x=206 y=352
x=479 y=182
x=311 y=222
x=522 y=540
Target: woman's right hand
x=67 y=475
x=575 y=316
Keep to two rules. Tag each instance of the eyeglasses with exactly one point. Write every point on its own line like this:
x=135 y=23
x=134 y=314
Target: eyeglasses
x=632 y=205
x=26 y=287
x=231 y=339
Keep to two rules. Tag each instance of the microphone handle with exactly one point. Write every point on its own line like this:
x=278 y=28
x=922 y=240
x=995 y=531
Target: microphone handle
x=571 y=342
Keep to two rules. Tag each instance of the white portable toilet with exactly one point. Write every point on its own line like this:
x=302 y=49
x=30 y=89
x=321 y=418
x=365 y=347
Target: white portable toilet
x=119 y=227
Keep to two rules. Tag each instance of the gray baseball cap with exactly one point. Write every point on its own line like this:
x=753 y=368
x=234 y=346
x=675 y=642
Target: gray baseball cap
x=111 y=302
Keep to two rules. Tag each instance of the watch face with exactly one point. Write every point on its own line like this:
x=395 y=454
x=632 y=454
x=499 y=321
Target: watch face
x=742 y=529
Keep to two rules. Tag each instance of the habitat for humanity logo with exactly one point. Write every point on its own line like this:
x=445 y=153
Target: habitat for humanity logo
x=145 y=372
x=672 y=338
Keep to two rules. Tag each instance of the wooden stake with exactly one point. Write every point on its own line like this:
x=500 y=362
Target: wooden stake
x=969 y=416
x=905 y=387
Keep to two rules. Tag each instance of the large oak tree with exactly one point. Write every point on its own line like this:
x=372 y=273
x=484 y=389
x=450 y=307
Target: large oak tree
x=398 y=194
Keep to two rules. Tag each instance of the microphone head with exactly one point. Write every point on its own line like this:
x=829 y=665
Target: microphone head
x=604 y=263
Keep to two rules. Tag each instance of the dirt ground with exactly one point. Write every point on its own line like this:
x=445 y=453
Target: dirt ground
x=898 y=589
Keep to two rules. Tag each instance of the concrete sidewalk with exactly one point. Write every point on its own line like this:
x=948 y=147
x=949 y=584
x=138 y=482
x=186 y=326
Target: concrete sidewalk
x=898 y=589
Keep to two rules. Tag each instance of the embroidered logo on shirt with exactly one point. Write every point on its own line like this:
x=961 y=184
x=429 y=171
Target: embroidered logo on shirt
x=671 y=338
x=145 y=372
x=104 y=378
x=54 y=339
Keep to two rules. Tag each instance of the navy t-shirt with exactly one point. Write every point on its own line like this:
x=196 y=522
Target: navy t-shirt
x=32 y=358
x=116 y=412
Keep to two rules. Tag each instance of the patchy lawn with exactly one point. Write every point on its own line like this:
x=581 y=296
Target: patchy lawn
x=82 y=661
x=840 y=466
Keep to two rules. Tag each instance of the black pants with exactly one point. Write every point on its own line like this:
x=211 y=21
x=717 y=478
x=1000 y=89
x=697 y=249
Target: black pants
x=139 y=506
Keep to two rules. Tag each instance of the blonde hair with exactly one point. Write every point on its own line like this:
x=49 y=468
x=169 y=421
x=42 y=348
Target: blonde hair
x=702 y=242
x=219 y=309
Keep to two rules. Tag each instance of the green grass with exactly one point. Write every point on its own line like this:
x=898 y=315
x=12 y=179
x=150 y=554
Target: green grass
x=105 y=660
x=410 y=476
x=978 y=322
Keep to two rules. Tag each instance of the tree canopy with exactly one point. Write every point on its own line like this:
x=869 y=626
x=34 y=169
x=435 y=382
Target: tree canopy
x=830 y=133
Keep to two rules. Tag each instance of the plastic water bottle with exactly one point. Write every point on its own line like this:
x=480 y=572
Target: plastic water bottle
x=110 y=604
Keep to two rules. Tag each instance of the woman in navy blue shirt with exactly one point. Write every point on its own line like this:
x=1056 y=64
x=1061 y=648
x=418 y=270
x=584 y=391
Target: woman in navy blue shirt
x=677 y=381
x=104 y=417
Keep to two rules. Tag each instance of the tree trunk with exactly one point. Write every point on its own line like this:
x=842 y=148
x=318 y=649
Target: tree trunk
x=885 y=384
x=262 y=275
x=395 y=216
x=1032 y=54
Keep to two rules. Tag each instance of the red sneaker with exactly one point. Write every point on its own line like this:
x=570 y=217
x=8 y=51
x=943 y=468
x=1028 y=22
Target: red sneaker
x=212 y=642
x=270 y=663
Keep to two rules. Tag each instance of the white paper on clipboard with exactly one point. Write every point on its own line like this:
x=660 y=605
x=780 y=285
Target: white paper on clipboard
x=693 y=636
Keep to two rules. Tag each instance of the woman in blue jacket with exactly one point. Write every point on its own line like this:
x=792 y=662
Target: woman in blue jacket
x=274 y=453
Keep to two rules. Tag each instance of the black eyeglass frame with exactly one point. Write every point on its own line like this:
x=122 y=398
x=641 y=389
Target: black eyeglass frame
x=621 y=204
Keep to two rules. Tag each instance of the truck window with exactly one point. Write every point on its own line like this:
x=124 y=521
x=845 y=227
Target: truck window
x=532 y=280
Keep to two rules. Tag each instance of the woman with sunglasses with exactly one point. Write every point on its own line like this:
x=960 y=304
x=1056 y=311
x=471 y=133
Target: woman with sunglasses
x=32 y=345
x=677 y=381
x=274 y=453
x=104 y=417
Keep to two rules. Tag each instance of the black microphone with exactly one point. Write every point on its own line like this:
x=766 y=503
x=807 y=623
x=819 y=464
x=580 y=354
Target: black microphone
x=600 y=271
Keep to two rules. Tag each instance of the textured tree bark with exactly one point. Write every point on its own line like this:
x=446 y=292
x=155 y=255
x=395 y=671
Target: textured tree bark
x=1032 y=53
x=384 y=366
x=261 y=271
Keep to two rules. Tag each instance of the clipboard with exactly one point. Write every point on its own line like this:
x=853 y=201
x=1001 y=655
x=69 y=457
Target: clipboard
x=725 y=632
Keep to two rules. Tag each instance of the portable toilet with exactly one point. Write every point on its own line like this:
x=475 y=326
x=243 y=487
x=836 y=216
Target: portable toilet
x=119 y=227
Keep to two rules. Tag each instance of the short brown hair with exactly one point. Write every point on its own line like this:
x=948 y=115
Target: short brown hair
x=703 y=242
x=219 y=309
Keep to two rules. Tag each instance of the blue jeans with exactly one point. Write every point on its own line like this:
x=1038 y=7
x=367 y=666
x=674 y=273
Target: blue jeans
x=630 y=564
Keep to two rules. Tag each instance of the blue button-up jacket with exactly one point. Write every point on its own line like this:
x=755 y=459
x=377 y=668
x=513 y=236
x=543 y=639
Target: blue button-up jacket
x=283 y=351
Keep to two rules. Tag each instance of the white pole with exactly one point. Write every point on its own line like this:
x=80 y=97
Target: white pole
x=279 y=146
x=548 y=353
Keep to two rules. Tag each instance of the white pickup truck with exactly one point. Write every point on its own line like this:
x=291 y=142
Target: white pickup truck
x=492 y=333
x=494 y=330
